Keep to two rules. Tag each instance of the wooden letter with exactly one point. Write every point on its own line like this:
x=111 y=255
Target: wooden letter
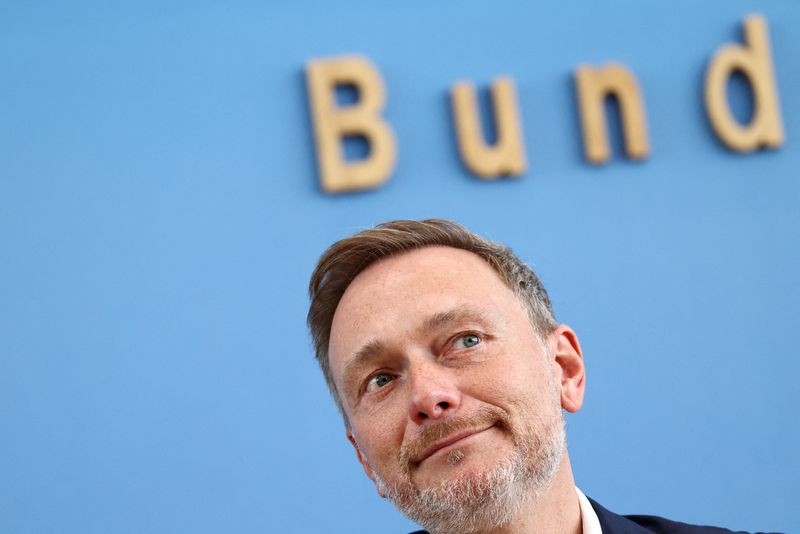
x=593 y=85
x=755 y=62
x=332 y=123
x=507 y=156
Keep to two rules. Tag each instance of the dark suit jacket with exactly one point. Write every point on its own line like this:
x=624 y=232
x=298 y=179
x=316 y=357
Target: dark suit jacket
x=612 y=523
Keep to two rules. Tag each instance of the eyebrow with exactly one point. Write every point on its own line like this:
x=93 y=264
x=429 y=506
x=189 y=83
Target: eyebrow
x=459 y=314
x=360 y=358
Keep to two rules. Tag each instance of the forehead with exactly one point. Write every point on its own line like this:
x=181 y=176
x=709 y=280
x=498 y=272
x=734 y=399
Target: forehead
x=420 y=276
x=396 y=294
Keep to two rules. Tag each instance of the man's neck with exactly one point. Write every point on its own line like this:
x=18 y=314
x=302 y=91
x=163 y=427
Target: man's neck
x=555 y=511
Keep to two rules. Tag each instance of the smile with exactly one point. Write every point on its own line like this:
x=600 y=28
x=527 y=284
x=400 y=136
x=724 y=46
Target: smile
x=450 y=442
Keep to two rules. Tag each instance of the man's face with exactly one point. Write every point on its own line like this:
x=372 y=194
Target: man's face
x=442 y=377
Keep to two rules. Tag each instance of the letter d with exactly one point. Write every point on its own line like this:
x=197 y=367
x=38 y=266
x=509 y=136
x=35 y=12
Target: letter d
x=754 y=61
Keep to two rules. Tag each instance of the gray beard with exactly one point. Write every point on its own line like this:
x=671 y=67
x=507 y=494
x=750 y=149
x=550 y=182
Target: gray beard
x=493 y=498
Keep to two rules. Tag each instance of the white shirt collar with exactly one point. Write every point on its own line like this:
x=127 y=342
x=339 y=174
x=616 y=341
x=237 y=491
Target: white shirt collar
x=591 y=524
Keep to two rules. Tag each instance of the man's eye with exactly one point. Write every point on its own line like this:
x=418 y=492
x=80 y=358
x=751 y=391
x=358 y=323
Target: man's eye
x=466 y=341
x=378 y=381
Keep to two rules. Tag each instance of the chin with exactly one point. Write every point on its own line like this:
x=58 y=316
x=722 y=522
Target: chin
x=479 y=487
x=461 y=463
x=476 y=494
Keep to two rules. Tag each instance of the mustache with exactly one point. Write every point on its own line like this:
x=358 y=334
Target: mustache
x=486 y=415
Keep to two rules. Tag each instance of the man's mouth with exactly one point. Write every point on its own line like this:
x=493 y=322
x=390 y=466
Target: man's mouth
x=449 y=441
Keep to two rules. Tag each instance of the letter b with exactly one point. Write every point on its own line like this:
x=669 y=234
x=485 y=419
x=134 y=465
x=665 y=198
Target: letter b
x=332 y=123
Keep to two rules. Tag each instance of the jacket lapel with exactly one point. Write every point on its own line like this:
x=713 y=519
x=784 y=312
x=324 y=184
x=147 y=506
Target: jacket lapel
x=612 y=523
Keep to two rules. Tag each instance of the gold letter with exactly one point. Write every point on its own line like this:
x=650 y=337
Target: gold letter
x=593 y=86
x=754 y=61
x=507 y=156
x=332 y=123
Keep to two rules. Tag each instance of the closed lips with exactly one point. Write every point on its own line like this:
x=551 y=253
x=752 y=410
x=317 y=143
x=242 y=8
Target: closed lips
x=450 y=440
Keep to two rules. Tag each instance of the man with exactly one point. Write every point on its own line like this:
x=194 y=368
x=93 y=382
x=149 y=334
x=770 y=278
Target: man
x=444 y=357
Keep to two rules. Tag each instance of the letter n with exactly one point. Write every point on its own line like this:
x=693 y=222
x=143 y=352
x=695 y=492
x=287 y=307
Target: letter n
x=332 y=123
x=593 y=85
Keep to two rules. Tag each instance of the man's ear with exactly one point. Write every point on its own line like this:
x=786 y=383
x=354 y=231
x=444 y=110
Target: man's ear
x=570 y=370
x=363 y=462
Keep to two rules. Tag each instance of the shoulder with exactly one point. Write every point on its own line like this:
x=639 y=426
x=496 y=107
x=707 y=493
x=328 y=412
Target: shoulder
x=653 y=523
x=612 y=523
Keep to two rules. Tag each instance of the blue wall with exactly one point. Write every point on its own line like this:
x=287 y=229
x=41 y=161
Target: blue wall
x=160 y=215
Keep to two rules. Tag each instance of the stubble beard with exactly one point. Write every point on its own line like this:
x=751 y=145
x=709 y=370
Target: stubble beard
x=491 y=498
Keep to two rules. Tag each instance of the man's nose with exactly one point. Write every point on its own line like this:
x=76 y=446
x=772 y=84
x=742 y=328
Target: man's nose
x=434 y=394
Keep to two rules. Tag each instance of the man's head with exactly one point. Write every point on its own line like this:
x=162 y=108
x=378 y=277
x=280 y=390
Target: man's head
x=345 y=260
x=449 y=368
